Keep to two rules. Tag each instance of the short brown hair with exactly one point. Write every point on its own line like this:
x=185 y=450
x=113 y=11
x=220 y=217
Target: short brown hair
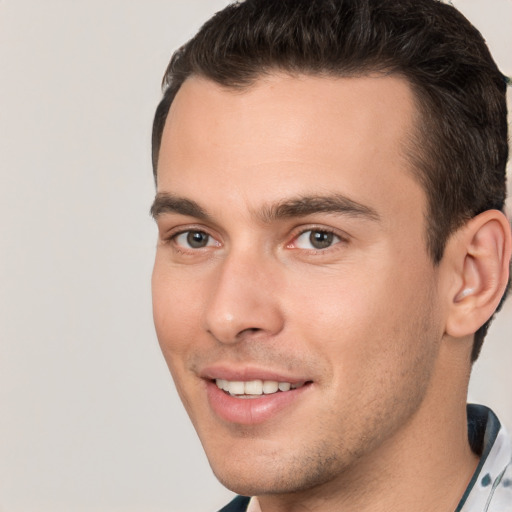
x=460 y=148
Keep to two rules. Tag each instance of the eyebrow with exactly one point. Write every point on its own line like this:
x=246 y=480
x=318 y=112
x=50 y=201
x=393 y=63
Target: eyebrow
x=169 y=203
x=303 y=206
x=300 y=206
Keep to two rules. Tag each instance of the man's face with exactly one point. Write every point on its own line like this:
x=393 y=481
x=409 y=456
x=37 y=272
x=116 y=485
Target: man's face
x=292 y=260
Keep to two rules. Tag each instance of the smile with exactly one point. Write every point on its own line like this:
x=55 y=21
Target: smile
x=254 y=401
x=255 y=388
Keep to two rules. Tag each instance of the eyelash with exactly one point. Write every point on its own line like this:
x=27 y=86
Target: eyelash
x=336 y=235
x=173 y=236
x=338 y=238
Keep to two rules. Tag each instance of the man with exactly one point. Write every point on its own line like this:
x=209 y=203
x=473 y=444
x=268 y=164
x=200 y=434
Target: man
x=332 y=244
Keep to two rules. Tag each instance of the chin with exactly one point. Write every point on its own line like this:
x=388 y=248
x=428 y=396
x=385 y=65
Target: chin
x=252 y=483
x=251 y=474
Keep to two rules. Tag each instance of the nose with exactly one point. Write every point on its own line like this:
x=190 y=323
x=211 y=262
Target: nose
x=244 y=300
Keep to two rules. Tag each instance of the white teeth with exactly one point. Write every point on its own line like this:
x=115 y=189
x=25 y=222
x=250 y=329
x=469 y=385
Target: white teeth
x=270 y=386
x=222 y=384
x=284 y=386
x=255 y=387
x=236 y=388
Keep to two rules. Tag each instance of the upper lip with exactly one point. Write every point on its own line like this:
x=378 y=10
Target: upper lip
x=248 y=373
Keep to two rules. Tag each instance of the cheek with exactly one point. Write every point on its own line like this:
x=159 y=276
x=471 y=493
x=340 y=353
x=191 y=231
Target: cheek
x=176 y=310
x=361 y=322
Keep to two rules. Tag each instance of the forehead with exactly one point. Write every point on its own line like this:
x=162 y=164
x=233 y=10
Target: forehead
x=314 y=134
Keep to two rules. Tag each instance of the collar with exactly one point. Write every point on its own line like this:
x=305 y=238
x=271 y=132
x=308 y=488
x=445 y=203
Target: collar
x=490 y=488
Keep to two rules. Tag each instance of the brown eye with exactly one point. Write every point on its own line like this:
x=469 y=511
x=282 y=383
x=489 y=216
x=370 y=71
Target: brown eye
x=197 y=239
x=321 y=239
x=194 y=240
x=316 y=239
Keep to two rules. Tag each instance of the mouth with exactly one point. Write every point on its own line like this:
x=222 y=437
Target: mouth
x=256 y=388
x=253 y=401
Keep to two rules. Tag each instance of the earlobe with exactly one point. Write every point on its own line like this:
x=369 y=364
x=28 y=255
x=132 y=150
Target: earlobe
x=480 y=254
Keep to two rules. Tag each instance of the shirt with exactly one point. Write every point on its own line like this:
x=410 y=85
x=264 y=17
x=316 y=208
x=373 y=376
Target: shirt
x=490 y=488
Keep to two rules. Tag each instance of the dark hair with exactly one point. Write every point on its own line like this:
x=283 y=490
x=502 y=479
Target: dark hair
x=459 y=151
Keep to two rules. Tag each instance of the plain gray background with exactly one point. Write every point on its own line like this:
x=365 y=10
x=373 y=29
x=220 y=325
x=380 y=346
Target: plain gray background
x=89 y=419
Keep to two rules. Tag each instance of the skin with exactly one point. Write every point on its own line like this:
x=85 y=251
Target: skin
x=362 y=320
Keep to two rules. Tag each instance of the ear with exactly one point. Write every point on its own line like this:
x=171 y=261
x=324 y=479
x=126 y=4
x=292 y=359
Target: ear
x=479 y=261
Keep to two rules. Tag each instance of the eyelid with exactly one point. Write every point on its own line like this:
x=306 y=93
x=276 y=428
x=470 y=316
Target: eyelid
x=341 y=236
x=171 y=235
x=210 y=241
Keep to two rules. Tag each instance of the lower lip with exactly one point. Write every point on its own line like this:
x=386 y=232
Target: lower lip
x=250 y=411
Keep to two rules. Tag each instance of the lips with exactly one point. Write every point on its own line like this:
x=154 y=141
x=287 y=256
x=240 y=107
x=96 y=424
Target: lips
x=255 y=388
x=240 y=397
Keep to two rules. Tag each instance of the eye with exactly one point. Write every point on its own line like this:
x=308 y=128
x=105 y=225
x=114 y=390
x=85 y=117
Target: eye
x=316 y=239
x=194 y=240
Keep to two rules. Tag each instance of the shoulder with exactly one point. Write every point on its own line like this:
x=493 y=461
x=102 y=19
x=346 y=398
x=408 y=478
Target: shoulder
x=239 y=504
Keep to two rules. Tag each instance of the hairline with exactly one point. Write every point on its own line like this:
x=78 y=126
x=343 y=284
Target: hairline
x=410 y=147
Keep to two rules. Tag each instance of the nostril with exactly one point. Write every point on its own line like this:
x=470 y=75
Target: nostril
x=249 y=330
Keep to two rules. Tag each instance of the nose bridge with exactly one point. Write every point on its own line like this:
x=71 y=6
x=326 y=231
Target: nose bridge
x=243 y=299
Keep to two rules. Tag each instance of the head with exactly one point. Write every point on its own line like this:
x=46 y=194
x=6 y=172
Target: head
x=459 y=148
x=330 y=175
